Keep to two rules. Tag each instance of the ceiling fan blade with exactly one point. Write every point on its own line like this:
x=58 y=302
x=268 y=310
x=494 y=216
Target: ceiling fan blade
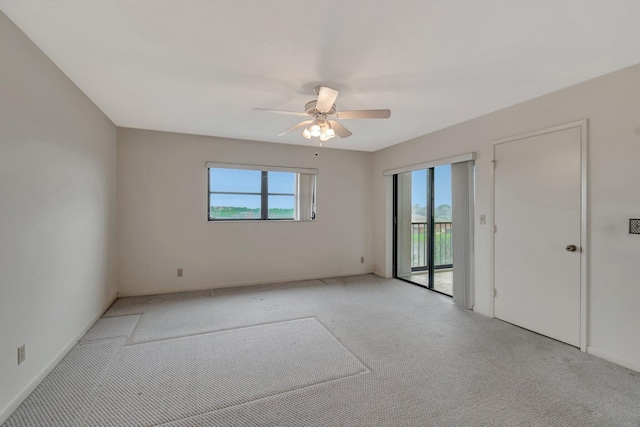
x=289 y=113
x=326 y=98
x=340 y=130
x=364 y=114
x=296 y=127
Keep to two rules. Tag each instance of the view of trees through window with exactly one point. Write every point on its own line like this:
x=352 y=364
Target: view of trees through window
x=442 y=194
x=241 y=194
x=442 y=214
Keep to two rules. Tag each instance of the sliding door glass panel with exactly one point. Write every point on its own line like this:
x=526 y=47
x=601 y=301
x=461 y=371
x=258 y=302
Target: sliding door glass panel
x=404 y=238
x=419 y=223
x=443 y=230
x=413 y=227
x=424 y=231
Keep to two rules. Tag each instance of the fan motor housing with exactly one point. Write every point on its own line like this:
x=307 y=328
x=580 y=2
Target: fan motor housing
x=311 y=109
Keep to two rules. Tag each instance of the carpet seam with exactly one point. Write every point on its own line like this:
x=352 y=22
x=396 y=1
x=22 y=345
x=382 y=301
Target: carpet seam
x=290 y=373
x=121 y=315
x=111 y=365
x=98 y=387
x=126 y=337
x=133 y=331
x=290 y=391
x=219 y=331
x=119 y=355
x=342 y=344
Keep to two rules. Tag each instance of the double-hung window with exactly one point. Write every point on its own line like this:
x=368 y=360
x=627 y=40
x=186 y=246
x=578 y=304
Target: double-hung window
x=249 y=192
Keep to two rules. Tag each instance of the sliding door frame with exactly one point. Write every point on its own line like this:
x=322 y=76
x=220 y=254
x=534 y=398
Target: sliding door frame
x=394 y=174
x=394 y=225
x=430 y=237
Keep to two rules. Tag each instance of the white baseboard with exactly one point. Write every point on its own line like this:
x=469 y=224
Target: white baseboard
x=615 y=359
x=123 y=294
x=6 y=412
x=380 y=274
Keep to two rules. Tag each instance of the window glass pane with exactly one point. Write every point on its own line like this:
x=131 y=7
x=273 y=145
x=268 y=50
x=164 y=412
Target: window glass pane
x=234 y=206
x=281 y=207
x=235 y=180
x=282 y=182
x=442 y=214
x=442 y=194
x=419 y=196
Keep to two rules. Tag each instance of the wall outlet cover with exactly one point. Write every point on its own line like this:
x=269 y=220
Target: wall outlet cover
x=21 y=353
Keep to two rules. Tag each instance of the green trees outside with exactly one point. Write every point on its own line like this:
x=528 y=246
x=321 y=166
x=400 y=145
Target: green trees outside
x=441 y=214
x=235 y=212
x=443 y=243
x=443 y=250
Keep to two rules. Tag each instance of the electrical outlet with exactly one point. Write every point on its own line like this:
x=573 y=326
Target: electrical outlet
x=21 y=354
x=361 y=260
x=179 y=272
x=483 y=219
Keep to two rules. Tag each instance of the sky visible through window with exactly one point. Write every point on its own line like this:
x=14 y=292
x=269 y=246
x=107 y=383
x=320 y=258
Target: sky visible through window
x=442 y=184
x=249 y=181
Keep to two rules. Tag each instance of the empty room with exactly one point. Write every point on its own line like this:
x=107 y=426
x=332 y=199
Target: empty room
x=286 y=213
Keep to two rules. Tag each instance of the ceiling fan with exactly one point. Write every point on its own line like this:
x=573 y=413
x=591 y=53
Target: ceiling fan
x=321 y=111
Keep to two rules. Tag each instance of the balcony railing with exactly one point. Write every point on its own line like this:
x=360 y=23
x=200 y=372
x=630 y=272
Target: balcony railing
x=443 y=247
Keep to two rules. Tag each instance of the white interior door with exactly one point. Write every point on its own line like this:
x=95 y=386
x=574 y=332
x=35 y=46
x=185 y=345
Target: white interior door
x=537 y=216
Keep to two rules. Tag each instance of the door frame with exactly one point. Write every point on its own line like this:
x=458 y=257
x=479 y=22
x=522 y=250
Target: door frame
x=584 y=242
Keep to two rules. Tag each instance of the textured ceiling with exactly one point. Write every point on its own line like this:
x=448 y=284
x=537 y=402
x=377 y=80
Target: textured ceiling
x=199 y=66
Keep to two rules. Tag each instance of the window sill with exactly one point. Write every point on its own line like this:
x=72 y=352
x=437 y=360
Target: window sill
x=253 y=221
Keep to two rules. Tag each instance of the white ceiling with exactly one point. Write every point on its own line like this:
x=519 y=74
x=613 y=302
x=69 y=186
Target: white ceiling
x=199 y=66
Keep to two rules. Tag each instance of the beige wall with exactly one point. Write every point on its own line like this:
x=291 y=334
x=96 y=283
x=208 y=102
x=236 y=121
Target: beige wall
x=612 y=105
x=162 y=216
x=57 y=214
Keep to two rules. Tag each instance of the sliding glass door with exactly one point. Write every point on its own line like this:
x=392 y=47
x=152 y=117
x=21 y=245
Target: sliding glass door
x=423 y=228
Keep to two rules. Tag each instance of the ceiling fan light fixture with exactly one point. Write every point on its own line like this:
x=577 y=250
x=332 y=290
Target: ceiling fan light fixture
x=320 y=114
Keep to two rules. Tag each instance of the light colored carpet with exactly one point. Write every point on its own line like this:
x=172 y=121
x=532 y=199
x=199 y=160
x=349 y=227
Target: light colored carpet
x=385 y=353
x=65 y=396
x=173 y=379
x=188 y=313
x=108 y=328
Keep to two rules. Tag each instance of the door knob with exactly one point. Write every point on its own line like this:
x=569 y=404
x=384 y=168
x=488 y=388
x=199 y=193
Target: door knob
x=571 y=248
